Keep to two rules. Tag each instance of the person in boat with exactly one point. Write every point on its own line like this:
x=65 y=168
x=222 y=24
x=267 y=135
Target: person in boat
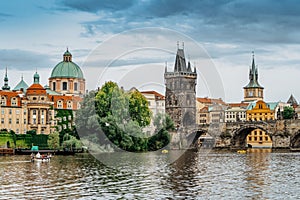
x=38 y=155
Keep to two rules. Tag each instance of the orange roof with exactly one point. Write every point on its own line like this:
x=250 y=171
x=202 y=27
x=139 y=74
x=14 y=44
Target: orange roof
x=156 y=94
x=36 y=89
x=207 y=100
x=204 y=109
x=9 y=95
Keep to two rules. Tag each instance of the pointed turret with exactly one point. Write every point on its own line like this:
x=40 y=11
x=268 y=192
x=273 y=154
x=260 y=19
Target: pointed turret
x=253 y=91
x=292 y=101
x=180 y=64
x=253 y=76
x=6 y=86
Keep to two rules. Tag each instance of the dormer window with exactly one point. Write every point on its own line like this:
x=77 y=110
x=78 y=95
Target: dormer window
x=59 y=104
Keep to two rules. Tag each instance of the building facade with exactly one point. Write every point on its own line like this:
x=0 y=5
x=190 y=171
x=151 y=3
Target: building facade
x=260 y=111
x=180 y=102
x=36 y=107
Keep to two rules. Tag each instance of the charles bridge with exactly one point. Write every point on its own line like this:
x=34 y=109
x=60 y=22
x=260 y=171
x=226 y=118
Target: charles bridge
x=284 y=134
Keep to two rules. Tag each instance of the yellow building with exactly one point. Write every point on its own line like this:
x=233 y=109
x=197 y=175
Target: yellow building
x=260 y=111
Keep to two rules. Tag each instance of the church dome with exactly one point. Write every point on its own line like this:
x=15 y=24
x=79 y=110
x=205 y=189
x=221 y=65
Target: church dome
x=67 y=68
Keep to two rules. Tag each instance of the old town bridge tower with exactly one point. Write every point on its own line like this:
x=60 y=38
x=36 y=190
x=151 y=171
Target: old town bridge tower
x=180 y=93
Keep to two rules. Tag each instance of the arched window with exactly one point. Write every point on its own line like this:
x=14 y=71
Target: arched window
x=69 y=105
x=59 y=104
x=54 y=86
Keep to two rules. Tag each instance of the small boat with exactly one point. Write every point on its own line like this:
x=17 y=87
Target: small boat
x=241 y=151
x=40 y=158
x=44 y=159
x=164 y=151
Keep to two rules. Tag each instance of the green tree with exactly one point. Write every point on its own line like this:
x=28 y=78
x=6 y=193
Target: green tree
x=288 y=112
x=53 y=140
x=163 y=124
x=138 y=108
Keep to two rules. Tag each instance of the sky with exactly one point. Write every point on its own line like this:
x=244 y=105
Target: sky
x=131 y=42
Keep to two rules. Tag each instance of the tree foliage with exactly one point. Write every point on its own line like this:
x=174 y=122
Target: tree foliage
x=288 y=112
x=53 y=140
x=111 y=115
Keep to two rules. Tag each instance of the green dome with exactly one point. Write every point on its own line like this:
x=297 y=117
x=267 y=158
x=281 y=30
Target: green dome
x=67 y=68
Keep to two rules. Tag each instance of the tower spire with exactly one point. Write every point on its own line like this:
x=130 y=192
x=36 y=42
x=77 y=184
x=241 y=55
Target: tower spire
x=6 y=86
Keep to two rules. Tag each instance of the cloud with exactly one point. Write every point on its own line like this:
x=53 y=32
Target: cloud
x=242 y=21
x=4 y=16
x=95 y=6
x=24 y=60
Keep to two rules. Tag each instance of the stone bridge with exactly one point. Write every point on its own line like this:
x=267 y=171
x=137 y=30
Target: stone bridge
x=284 y=134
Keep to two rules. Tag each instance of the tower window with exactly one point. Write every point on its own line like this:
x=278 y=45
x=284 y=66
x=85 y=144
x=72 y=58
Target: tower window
x=75 y=86
x=54 y=86
x=65 y=86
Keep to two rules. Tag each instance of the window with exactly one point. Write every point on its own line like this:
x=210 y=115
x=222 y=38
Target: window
x=9 y=111
x=42 y=120
x=34 y=98
x=255 y=138
x=54 y=86
x=2 y=111
x=17 y=131
x=17 y=112
x=13 y=102
x=34 y=120
x=69 y=105
x=266 y=138
x=24 y=121
x=3 y=101
x=9 y=120
x=2 y=120
x=75 y=86
x=59 y=104
x=34 y=112
x=260 y=138
x=250 y=138
x=17 y=121
x=64 y=86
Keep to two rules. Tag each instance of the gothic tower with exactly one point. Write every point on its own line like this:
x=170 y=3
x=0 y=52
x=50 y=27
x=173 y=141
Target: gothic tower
x=180 y=101
x=253 y=91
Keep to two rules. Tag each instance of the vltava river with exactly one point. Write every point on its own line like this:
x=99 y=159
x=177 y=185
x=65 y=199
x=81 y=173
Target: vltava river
x=215 y=175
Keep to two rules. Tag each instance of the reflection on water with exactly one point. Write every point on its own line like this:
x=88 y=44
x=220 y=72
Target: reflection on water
x=259 y=174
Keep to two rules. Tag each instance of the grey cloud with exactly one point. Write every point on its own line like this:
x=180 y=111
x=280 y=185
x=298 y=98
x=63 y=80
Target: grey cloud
x=24 y=60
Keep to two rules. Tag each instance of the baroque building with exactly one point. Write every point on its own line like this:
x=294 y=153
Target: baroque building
x=41 y=108
x=180 y=94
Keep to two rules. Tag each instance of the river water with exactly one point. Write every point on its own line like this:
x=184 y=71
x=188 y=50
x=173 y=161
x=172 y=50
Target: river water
x=211 y=175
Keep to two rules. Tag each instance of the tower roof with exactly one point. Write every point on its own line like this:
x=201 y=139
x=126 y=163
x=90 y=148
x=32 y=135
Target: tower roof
x=253 y=76
x=180 y=64
x=67 y=68
x=22 y=85
x=6 y=86
x=292 y=100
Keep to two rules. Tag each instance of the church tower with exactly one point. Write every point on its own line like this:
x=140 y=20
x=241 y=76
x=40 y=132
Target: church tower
x=6 y=86
x=253 y=91
x=180 y=101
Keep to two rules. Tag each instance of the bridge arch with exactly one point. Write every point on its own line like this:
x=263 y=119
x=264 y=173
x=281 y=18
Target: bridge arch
x=295 y=140
x=193 y=137
x=239 y=137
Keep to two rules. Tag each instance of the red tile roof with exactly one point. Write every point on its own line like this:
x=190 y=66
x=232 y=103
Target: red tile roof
x=156 y=94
